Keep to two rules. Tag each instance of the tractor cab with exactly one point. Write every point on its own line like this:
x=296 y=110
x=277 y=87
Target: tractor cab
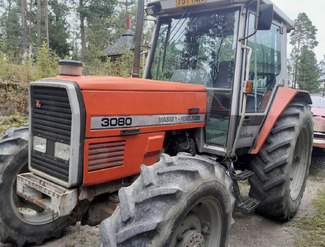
x=222 y=45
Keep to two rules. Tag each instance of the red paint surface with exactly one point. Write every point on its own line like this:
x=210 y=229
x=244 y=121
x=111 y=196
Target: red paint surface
x=282 y=99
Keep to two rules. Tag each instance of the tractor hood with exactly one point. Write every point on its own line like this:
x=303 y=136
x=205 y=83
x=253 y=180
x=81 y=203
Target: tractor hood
x=115 y=104
x=110 y=83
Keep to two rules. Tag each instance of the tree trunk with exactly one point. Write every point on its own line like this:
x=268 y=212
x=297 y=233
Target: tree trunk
x=296 y=65
x=23 y=28
x=82 y=31
x=46 y=13
x=38 y=17
x=30 y=48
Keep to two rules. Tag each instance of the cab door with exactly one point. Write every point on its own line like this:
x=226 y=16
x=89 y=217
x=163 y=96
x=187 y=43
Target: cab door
x=267 y=71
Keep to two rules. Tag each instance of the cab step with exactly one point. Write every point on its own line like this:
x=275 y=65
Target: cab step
x=248 y=206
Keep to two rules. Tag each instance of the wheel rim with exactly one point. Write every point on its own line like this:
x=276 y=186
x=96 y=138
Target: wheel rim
x=27 y=212
x=299 y=164
x=196 y=227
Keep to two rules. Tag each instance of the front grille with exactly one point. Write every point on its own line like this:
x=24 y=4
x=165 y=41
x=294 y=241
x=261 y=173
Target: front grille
x=47 y=164
x=50 y=119
x=105 y=155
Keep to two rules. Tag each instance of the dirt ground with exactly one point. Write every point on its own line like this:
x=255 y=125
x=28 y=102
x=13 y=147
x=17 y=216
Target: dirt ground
x=248 y=230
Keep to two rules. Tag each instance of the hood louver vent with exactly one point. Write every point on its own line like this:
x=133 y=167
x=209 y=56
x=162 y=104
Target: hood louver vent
x=105 y=155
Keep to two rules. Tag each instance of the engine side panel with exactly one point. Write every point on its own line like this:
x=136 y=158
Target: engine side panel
x=125 y=129
x=145 y=111
x=108 y=159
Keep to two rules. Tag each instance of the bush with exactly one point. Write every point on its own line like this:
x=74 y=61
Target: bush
x=12 y=121
x=18 y=69
x=46 y=64
x=17 y=72
x=121 y=66
x=13 y=98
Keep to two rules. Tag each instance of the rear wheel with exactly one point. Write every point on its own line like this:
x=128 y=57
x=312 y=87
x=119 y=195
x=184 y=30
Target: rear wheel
x=22 y=222
x=282 y=165
x=179 y=201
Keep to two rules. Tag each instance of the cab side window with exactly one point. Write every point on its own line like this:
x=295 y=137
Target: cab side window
x=265 y=65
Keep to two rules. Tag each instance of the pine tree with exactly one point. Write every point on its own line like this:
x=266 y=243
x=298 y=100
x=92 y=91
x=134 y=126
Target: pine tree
x=10 y=26
x=322 y=80
x=308 y=72
x=23 y=27
x=38 y=20
x=59 y=33
x=94 y=16
x=304 y=35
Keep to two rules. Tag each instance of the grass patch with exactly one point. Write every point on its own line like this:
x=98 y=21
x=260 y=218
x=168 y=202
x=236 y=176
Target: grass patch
x=314 y=227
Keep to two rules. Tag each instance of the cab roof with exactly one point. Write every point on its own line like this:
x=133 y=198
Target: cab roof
x=165 y=7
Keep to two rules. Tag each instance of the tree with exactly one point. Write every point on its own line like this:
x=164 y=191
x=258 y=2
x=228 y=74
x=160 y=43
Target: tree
x=23 y=27
x=46 y=15
x=82 y=17
x=39 y=39
x=308 y=72
x=60 y=33
x=304 y=35
x=30 y=26
x=94 y=16
x=11 y=30
x=322 y=69
x=27 y=23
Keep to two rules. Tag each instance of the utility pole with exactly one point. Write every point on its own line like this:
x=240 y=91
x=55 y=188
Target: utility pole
x=137 y=40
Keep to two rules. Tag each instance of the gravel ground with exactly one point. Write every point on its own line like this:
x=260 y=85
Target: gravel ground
x=255 y=230
x=248 y=229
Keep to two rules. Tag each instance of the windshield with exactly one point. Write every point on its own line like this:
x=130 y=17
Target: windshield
x=318 y=102
x=196 y=49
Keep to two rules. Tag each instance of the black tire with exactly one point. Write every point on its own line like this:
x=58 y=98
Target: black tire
x=22 y=223
x=181 y=196
x=282 y=165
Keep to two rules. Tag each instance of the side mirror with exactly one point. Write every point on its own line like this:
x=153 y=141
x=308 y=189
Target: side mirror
x=265 y=17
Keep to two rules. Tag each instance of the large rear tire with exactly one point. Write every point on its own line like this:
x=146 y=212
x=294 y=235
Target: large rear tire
x=282 y=165
x=179 y=201
x=20 y=222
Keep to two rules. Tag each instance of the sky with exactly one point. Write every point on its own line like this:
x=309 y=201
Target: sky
x=315 y=10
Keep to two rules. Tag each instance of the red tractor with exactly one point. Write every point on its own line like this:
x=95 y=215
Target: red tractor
x=161 y=157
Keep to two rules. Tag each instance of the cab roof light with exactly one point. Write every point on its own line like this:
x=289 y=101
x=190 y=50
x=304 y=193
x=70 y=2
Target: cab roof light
x=153 y=8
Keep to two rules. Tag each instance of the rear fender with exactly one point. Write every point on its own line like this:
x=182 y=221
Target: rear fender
x=281 y=101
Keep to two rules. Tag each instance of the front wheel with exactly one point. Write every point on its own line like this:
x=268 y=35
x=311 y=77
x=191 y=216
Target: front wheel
x=180 y=201
x=22 y=222
x=282 y=165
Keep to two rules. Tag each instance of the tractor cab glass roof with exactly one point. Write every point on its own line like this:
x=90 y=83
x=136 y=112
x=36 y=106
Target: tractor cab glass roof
x=196 y=48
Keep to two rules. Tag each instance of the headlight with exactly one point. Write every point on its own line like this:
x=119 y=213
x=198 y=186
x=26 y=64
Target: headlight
x=62 y=151
x=39 y=144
